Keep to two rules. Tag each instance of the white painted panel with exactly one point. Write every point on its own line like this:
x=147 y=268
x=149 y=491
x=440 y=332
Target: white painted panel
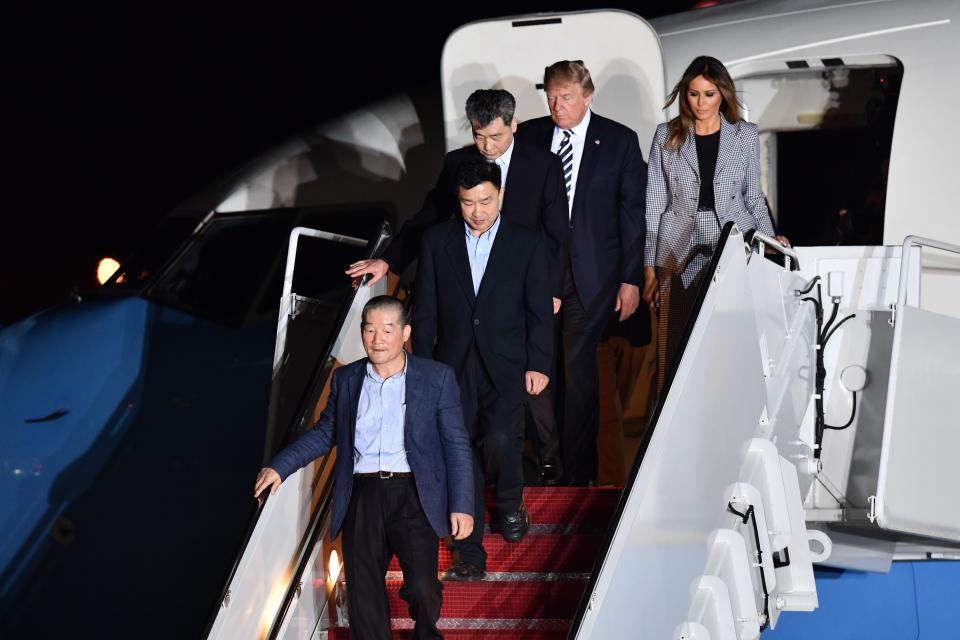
x=308 y=610
x=919 y=476
x=264 y=571
x=695 y=454
x=795 y=582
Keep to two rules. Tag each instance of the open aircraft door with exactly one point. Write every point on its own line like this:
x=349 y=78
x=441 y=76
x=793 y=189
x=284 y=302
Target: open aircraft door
x=621 y=50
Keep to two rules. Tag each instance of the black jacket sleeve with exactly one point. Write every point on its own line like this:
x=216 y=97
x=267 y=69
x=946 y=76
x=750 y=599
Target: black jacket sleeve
x=555 y=218
x=425 y=305
x=539 y=312
x=439 y=205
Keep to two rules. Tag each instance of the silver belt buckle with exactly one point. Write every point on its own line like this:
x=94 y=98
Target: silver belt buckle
x=384 y=475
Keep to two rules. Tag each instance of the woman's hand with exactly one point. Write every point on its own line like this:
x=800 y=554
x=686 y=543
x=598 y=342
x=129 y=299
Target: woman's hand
x=783 y=240
x=651 y=287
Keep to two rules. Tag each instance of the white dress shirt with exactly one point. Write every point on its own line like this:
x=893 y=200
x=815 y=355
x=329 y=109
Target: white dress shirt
x=578 y=139
x=504 y=163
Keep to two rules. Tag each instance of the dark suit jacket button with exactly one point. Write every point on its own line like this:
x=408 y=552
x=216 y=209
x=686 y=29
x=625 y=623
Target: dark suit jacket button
x=476 y=321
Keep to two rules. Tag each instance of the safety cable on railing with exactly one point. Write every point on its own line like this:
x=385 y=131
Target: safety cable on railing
x=809 y=287
x=853 y=414
x=824 y=333
x=751 y=517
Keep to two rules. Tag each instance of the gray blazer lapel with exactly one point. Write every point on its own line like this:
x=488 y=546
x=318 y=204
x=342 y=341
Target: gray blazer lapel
x=728 y=144
x=689 y=151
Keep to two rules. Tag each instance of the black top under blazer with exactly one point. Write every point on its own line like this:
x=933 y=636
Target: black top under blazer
x=510 y=320
x=673 y=190
x=535 y=198
x=607 y=222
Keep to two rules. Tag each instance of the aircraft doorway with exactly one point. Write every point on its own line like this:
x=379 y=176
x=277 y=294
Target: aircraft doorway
x=826 y=132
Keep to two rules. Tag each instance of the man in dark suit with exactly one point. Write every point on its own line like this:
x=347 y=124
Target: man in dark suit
x=533 y=196
x=605 y=180
x=403 y=476
x=482 y=306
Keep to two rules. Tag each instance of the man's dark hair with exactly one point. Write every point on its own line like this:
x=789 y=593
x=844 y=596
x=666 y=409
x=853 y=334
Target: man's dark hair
x=486 y=105
x=386 y=302
x=474 y=172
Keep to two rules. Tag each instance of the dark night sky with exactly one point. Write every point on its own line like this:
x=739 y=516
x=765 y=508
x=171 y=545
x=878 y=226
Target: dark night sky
x=119 y=114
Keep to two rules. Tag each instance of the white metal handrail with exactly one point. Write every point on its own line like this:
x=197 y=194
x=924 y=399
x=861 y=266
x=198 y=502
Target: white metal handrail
x=905 y=264
x=286 y=299
x=792 y=259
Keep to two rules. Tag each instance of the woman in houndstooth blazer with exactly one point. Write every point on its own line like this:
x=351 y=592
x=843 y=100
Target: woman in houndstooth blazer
x=704 y=171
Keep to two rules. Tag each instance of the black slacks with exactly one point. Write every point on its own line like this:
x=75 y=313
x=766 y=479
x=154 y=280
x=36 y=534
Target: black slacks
x=581 y=329
x=495 y=425
x=385 y=518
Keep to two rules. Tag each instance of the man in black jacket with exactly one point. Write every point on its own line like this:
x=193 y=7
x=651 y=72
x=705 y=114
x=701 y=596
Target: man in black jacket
x=605 y=179
x=482 y=306
x=533 y=196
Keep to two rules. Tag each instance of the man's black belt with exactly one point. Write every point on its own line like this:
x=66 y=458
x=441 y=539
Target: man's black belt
x=384 y=475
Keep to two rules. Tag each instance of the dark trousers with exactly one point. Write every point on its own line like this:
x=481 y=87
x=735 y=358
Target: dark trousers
x=494 y=424
x=385 y=518
x=542 y=410
x=581 y=330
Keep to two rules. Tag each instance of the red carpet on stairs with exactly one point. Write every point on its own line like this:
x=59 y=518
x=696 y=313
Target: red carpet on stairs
x=533 y=586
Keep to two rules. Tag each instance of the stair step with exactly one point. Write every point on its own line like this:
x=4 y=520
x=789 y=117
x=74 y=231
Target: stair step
x=513 y=576
x=556 y=599
x=535 y=553
x=533 y=587
x=340 y=633
x=564 y=505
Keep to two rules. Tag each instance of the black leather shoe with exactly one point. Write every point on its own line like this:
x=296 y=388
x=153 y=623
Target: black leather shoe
x=514 y=526
x=464 y=571
x=550 y=473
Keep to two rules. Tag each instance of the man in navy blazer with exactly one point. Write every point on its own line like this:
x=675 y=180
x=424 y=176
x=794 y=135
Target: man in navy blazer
x=605 y=179
x=403 y=477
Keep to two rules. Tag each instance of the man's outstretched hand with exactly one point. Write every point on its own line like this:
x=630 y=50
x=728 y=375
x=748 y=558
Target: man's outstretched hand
x=266 y=479
x=377 y=268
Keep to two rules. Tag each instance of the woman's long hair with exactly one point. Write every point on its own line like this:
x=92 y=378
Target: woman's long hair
x=714 y=71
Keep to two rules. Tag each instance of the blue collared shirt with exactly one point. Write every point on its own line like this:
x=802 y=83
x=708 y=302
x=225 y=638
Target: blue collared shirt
x=378 y=445
x=478 y=251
